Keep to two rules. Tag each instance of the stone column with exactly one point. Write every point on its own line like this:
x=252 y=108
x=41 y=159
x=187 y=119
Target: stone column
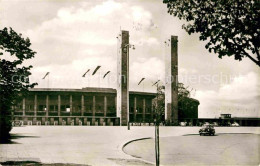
x=47 y=105
x=105 y=106
x=60 y=121
x=123 y=78
x=171 y=83
x=77 y=121
x=93 y=110
x=85 y=121
x=102 y=121
x=82 y=105
x=69 y=121
x=43 y=120
x=135 y=109
x=144 y=109
x=23 y=106
x=59 y=101
x=71 y=105
x=52 y=121
x=35 y=105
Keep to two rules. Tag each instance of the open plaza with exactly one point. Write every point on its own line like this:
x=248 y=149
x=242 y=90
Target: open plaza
x=115 y=145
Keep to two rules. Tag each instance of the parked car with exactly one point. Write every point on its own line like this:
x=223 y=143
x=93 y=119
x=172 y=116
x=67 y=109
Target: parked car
x=225 y=124
x=183 y=123
x=235 y=124
x=207 y=129
x=17 y=123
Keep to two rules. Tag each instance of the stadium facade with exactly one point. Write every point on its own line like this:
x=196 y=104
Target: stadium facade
x=86 y=106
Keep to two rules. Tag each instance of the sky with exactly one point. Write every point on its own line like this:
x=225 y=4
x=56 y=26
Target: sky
x=71 y=37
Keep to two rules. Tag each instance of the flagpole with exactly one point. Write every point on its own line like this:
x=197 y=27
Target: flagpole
x=48 y=81
x=89 y=80
x=47 y=74
x=108 y=83
x=99 y=80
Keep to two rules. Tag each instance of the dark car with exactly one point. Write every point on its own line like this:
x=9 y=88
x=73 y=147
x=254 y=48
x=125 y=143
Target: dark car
x=207 y=129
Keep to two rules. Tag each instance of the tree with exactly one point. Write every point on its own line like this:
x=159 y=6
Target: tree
x=184 y=101
x=230 y=27
x=14 y=77
x=159 y=105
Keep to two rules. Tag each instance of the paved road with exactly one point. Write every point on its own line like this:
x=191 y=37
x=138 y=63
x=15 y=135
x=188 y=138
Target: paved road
x=92 y=145
x=222 y=149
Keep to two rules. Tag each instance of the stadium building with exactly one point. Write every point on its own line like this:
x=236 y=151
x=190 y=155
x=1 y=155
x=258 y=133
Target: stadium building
x=86 y=106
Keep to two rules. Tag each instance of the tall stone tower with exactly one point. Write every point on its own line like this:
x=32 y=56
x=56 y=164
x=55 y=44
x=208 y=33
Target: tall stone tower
x=171 y=82
x=123 y=77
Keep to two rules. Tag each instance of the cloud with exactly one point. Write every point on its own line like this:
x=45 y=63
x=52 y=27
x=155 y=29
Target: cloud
x=93 y=26
x=240 y=98
x=83 y=37
x=77 y=31
x=151 y=69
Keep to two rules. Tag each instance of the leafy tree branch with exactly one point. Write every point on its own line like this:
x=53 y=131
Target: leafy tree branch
x=231 y=28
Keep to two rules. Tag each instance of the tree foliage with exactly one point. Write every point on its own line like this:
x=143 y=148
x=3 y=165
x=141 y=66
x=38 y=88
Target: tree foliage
x=230 y=27
x=184 y=101
x=158 y=104
x=14 y=77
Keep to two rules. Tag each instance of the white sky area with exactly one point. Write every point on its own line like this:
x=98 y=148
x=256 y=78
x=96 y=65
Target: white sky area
x=71 y=37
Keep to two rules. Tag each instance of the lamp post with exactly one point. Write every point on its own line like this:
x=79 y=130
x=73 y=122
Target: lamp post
x=157 y=144
x=126 y=50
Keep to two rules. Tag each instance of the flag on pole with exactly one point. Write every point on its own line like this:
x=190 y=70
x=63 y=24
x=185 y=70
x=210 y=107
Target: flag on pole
x=45 y=75
x=106 y=74
x=85 y=73
x=141 y=81
x=96 y=70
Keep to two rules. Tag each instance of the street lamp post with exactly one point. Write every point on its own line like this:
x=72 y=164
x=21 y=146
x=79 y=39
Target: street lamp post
x=126 y=49
x=157 y=144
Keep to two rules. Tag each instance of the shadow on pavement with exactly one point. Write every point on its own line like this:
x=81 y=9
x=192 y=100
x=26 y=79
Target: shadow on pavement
x=15 y=136
x=129 y=162
x=215 y=134
x=35 y=163
x=199 y=135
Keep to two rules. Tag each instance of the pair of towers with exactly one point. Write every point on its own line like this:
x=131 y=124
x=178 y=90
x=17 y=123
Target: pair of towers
x=171 y=84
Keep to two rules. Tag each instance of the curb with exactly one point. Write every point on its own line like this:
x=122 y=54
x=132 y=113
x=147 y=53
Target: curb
x=125 y=144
